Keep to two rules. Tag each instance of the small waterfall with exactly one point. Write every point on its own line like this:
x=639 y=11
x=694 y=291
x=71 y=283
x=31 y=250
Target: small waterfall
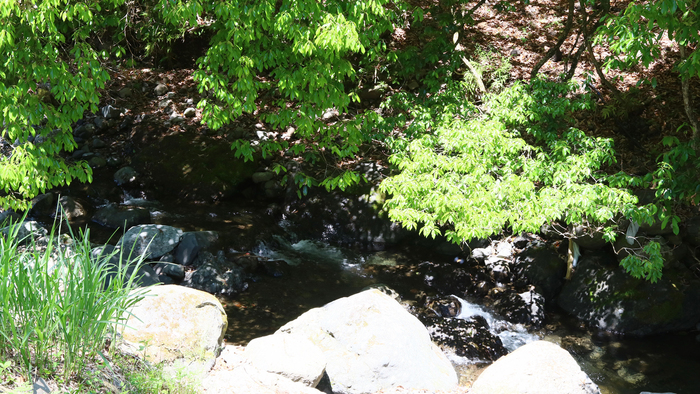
x=513 y=336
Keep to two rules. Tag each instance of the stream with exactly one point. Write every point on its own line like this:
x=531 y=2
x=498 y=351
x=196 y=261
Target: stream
x=317 y=273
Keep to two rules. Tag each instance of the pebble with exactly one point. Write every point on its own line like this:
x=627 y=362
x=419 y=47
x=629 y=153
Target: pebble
x=161 y=89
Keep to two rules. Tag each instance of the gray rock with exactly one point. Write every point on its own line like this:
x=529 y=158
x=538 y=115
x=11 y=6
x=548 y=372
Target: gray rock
x=97 y=162
x=291 y=356
x=187 y=250
x=114 y=216
x=190 y=112
x=109 y=112
x=176 y=118
x=480 y=254
x=248 y=379
x=261 y=177
x=151 y=240
x=372 y=343
x=176 y=322
x=125 y=175
x=44 y=204
x=165 y=103
x=160 y=89
x=330 y=114
x=172 y=270
x=538 y=367
x=72 y=209
x=98 y=143
x=27 y=231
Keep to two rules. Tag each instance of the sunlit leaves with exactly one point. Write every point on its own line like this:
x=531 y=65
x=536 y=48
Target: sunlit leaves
x=471 y=178
x=47 y=82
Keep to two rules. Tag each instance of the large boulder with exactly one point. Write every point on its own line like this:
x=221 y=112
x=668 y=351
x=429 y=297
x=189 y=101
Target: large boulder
x=538 y=367
x=247 y=379
x=611 y=299
x=371 y=342
x=176 y=323
x=544 y=268
x=151 y=240
x=234 y=373
x=291 y=356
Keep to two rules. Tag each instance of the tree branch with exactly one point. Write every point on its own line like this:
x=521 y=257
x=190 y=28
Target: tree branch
x=560 y=41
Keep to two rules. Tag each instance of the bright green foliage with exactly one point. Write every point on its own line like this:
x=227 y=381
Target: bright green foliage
x=294 y=54
x=59 y=302
x=518 y=165
x=648 y=267
x=49 y=77
x=635 y=35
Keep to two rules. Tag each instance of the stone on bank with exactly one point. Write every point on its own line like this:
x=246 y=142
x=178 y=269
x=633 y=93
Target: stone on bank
x=370 y=342
x=176 y=323
x=539 y=367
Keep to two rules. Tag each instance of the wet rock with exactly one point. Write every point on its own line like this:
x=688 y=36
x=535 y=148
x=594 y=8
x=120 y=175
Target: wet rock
x=603 y=295
x=447 y=278
x=273 y=268
x=524 y=308
x=538 y=367
x=98 y=144
x=172 y=270
x=114 y=216
x=151 y=240
x=466 y=338
x=125 y=175
x=542 y=267
x=498 y=268
x=187 y=250
x=215 y=279
x=97 y=162
x=445 y=307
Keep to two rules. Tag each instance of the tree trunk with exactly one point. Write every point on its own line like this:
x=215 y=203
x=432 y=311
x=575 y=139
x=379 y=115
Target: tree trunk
x=688 y=103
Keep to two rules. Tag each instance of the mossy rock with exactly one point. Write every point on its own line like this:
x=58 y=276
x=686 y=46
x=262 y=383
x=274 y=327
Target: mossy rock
x=610 y=299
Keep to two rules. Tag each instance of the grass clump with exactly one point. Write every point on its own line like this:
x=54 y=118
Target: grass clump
x=60 y=304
